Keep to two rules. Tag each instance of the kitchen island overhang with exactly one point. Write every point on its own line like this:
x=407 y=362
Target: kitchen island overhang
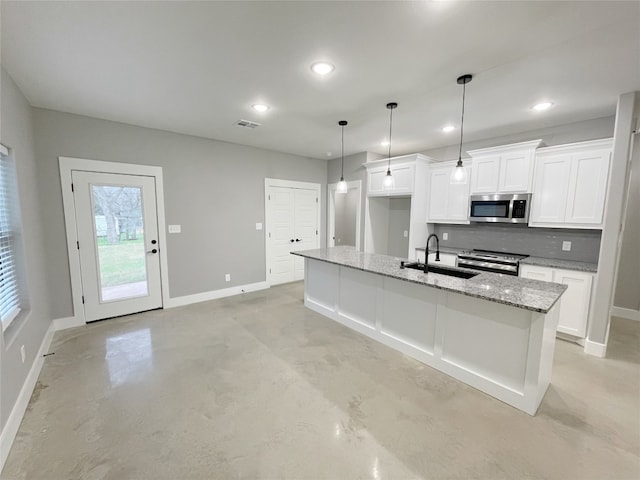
x=493 y=332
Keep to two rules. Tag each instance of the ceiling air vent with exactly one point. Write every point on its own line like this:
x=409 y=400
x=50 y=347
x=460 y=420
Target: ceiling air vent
x=246 y=124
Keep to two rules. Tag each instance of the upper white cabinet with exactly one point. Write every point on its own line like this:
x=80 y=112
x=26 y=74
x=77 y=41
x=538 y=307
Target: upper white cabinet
x=447 y=203
x=570 y=185
x=403 y=176
x=574 y=303
x=403 y=169
x=504 y=169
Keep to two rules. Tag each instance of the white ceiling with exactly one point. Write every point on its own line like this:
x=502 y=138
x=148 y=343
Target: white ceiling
x=196 y=68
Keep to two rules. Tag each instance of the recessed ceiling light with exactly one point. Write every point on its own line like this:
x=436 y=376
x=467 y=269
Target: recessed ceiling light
x=384 y=143
x=542 y=106
x=448 y=128
x=260 y=107
x=322 y=68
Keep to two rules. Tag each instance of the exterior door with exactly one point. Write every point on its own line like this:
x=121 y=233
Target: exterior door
x=116 y=219
x=292 y=224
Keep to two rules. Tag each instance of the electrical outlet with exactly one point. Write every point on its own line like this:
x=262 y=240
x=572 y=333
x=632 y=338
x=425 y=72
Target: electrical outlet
x=445 y=236
x=566 y=246
x=406 y=233
x=175 y=228
x=258 y=226
x=23 y=353
x=227 y=277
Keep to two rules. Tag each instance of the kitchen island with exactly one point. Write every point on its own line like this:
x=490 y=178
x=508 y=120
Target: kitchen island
x=493 y=332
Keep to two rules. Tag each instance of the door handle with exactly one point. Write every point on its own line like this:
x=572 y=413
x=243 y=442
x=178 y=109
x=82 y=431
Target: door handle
x=291 y=241
x=298 y=240
x=153 y=251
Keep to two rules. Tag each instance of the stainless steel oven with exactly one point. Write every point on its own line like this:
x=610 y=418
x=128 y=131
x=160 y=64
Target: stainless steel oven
x=503 y=208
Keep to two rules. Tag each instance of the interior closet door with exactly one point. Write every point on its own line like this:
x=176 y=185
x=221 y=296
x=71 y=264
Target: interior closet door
x=292 y=225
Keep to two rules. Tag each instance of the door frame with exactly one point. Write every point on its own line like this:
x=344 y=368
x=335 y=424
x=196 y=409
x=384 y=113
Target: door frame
x=67 y=165
x=276 y=182
x=331 y=211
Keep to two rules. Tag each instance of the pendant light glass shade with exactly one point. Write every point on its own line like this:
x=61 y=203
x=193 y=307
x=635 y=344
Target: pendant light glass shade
x=342 y=185
x=459 y=173
x=389 y=182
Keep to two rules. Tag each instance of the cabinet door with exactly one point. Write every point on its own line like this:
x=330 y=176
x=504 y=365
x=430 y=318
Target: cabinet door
x=587 y=188
x=375 y=178
x=402 y=176
x=438 y=195
x=550 y=190
x=485 y=174
x=458 y=200
x=536 y=273
x=574 y=303
x=515 y=172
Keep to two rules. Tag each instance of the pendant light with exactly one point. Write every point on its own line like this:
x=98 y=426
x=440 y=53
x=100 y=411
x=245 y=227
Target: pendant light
x=389 y=182
x=342 y=185
x=459 y=173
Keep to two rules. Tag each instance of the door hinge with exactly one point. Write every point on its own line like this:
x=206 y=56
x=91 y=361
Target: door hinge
x=316 y=232
x=269 y=270
x=269 y=197
x=316 y=199
x=269 y=234
x=72 y=187
x=78 y=245
x=83 y=299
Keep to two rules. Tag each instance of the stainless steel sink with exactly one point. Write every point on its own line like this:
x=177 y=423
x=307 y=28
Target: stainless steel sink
x=439 y=270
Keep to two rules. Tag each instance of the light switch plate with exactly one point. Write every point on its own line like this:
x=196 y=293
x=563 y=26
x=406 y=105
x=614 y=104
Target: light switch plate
x=227 y=277
x=175 y=228
x=445 y=236
x=258 y=226
x=566 y=246
x=406 y=233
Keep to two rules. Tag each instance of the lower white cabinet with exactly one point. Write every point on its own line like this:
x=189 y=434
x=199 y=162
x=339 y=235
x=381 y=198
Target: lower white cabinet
x=574 y=308
x=446 y=259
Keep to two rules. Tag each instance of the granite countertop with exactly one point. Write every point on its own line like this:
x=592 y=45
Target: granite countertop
x=518 y=292
x=539 y=261
x=557 y=263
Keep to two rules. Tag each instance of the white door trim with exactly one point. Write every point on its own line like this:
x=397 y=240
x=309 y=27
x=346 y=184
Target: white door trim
x=67 y=165
x=275 y=182
x=331 y=208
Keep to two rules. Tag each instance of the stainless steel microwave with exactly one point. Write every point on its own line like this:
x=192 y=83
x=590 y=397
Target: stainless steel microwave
x=504 y=208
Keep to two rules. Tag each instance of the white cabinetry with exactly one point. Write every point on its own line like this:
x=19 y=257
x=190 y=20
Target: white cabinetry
x=447 y=203
x=395 y=220
x=504 y=169
x=570 y=185
x=446 y=259
x=574 y=307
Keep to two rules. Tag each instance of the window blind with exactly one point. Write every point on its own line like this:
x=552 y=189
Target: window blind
x=9 y=291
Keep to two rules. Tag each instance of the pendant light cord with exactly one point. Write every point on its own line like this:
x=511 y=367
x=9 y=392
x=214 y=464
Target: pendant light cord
x=342 y=172
x=390 y=124
x=464 y=89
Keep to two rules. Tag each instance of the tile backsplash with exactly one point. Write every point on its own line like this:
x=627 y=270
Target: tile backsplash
x=537 y=242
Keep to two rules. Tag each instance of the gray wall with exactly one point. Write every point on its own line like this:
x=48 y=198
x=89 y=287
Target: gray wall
x=627 y=294
x=346 y=206
x=16 y=132
x=399 y=221
x=214 y=189
x=537 y=242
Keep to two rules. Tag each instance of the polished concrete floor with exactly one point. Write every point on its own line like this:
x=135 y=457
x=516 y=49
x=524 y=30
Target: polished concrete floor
x=258 y=387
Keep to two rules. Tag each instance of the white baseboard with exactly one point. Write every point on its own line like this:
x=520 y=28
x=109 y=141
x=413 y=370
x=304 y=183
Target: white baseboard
x=15 y=417
x=594 y=348
x=215 y=294
x=626 y=313
x=67 y=322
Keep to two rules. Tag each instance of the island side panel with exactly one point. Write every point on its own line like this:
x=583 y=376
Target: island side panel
x=408 y=315
x=321 y=287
